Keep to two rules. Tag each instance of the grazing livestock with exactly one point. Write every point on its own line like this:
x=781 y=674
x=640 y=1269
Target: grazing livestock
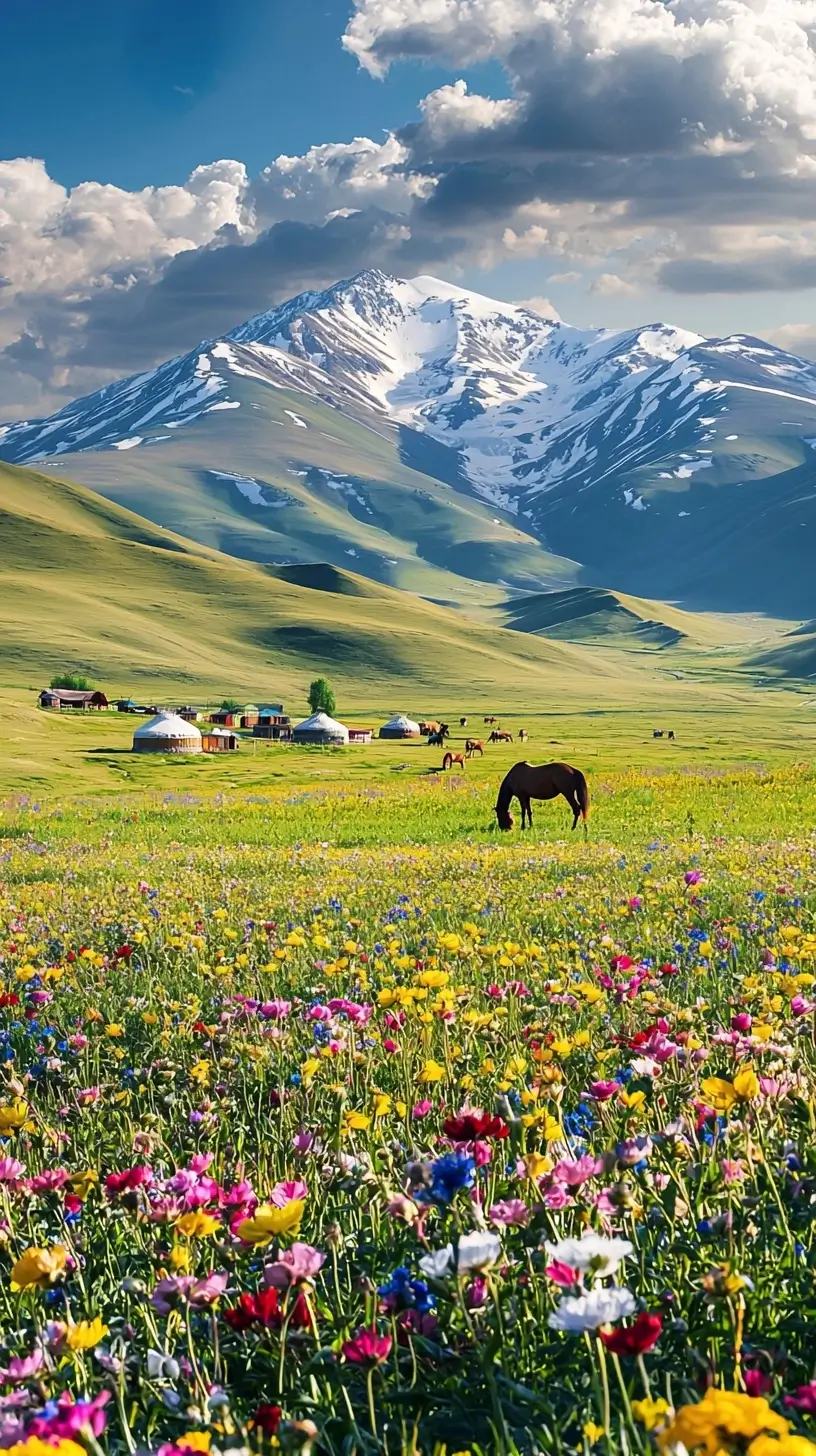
x=451 y=758
x=435 y=739
x=490 y=720
x=463 y=722
x=523 y=735
x=474 y=745
x=500 y=735
x=526 y=781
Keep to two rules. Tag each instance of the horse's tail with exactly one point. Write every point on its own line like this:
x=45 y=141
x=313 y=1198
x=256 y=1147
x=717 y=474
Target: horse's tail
x=582 y=793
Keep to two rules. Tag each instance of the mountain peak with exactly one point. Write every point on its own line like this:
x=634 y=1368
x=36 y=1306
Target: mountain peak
x=593 y=438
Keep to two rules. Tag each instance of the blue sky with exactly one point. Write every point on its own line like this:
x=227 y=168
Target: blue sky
x=139 y=92
x=619 y=162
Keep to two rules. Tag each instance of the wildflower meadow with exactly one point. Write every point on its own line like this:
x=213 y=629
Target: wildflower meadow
x=338 y=1122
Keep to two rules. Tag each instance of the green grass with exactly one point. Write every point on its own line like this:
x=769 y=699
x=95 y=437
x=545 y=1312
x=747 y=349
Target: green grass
x=89 y=586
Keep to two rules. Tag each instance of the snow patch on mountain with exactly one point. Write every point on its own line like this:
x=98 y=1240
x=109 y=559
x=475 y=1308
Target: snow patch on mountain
x=530 y=409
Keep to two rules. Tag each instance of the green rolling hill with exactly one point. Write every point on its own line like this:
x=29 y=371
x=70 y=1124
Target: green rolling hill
x=88 y=584
x=314 y=484
x=595 y=615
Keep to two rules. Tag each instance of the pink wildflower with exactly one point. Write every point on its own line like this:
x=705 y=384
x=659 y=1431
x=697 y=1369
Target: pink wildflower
x=367 y=1347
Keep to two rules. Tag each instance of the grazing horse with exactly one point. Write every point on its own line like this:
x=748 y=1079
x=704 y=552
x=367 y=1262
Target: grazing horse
x=523 y=735
x=490 y=720
x=474 y=745
x=451 y=758
x=657 y=732
x=463 y=722
x=428 y=725
x=671 y=735
x=526 y=781
x=435 y=739
x=499 y=735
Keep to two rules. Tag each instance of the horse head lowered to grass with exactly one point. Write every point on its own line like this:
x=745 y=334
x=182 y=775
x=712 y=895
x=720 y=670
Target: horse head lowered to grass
x=526 y=781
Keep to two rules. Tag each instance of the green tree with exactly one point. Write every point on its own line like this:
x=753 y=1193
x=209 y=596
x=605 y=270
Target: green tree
x=73 y=680
x=231 y=705
x=321 y=697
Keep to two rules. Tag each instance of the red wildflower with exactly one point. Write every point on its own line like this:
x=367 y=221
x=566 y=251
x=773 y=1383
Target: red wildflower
x=637 y=1339
x=265 y=1308
x=267 y=1419
x=126 y=1181
x=472 y=1125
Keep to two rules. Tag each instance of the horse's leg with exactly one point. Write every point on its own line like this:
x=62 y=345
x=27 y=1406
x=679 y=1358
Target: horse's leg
x=525 y=811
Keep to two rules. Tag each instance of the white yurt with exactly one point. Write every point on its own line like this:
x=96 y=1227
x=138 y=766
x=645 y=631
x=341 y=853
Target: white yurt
x=167 y=733
x=320 y=728
x=400 y=727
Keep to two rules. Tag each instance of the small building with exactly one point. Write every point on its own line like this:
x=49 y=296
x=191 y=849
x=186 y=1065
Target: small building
x=320 y=728
x=219 y=740
x=61 y=698
x=272 y=723
x=400 y=727
x=190 y=714
x=250 y=716
x=126 y=705
x=226 y=719
x=360 y=735
x=167 y=733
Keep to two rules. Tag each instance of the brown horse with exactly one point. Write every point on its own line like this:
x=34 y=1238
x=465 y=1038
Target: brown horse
x=451 y=758
x=490 y=720
x=428 y=725
x=500 y=735
x=474 y=745
x=526 y=781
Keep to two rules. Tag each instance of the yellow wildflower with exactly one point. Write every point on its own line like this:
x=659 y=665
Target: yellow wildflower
x=86 y=1335
x=13 y=1116
x=651 y=1413
x=723 y=1420
x=268 y=1223
x=198 y=1224
x=431 y=1072
x=39 y=1266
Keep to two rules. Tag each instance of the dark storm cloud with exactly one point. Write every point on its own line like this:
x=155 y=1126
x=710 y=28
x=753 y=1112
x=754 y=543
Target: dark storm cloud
x=716 y=275
x=204 y=293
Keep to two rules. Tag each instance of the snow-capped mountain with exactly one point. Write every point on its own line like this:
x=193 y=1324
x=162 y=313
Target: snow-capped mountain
x=567 y=430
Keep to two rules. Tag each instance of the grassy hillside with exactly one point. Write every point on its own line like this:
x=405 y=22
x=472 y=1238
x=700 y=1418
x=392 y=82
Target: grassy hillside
x=285 y=479
x=615 y=619
x=87 y=584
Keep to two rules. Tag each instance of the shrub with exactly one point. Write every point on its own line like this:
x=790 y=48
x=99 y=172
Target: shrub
x=73 y=680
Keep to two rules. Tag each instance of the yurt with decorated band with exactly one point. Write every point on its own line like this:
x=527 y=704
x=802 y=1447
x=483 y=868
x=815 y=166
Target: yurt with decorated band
x=167 y=733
